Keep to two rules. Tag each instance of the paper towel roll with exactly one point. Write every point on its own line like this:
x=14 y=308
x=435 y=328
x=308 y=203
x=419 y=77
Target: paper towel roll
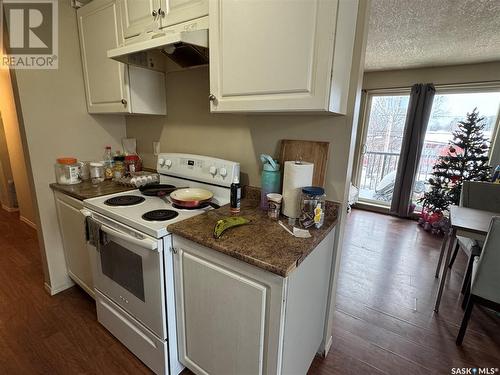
x=296 y=176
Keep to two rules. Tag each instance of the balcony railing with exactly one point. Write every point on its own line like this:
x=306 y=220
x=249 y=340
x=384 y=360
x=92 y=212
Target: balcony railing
x=377 y=165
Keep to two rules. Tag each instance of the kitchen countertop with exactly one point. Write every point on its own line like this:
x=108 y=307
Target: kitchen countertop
x=86 y=190
x=262 y=243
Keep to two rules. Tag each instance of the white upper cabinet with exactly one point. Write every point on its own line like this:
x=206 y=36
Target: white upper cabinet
x=179 y=11
x=105 y=84
x=281 y=55
x=137 y=15
x=110 y=86
x=143 y=16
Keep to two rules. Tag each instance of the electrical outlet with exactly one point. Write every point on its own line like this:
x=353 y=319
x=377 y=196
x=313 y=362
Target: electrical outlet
x=156 y=148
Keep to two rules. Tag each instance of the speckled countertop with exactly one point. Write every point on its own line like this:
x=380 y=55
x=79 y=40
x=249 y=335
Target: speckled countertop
x=86 y=190
x=262 y=243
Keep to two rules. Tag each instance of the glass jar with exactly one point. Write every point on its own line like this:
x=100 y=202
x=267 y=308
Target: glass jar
x=133 y=164
x=96 y=172
x=119 y=169
x=312 y=206
x=84 y=170
x=67 y=171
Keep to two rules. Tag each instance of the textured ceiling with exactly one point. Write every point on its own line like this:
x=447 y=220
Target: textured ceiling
x=416 y=33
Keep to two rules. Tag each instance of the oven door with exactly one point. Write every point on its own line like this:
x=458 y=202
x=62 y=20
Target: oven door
x=129 y=271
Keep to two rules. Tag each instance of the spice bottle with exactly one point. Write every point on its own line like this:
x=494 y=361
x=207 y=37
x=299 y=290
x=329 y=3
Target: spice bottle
x=235 y=196
x=108 y=163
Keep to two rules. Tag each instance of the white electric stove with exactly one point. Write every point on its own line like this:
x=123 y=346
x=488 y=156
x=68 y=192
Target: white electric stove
x=132 y=263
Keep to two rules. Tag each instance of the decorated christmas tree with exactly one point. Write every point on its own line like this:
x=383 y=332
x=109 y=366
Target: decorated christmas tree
x=466 y=160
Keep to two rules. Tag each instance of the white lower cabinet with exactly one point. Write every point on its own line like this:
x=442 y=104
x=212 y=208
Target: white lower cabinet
x=234 y=318
x=72 y=228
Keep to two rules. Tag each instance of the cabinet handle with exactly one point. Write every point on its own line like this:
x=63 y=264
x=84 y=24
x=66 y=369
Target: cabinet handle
x=161 y=12
x=153 y=13
x=212 y=98
x=124 y=102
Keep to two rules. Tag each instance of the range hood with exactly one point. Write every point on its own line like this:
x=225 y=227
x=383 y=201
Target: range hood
x=186 y=48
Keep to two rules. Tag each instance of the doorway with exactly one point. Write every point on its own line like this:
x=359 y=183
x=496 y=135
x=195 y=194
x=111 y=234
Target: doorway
x=13 y=154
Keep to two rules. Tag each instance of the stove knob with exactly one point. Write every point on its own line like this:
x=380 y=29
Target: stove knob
x=161 y=162
x=223 y=172
x=168 y=163
x=213 y=170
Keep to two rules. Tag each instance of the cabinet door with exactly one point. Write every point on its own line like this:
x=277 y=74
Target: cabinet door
x=106 y=86
x=271 y=55
x=182 y=11
x=137 y=15
x=221 y=317
x=72 y=227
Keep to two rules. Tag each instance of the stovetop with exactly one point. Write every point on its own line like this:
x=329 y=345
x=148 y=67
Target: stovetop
x=181 y=170
x=132 y=215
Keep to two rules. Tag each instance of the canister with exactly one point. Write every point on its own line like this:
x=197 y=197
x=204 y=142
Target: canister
x=67 y=171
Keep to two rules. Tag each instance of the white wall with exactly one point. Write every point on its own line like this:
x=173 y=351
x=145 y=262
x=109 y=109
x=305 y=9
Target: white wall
x=5 y=170
x=56 y=123
x=190 y=127
x=470 y=73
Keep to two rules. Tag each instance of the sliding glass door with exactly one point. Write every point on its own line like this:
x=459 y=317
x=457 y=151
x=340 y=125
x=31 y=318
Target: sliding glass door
x=385 y=116
x=383 y=130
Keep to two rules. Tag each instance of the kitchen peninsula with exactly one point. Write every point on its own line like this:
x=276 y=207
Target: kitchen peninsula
x=254 y=300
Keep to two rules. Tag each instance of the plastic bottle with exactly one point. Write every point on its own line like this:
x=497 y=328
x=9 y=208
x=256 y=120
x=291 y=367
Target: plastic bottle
x=108 y=163
x=496 y=175
x=235 y=196
x=270 y=180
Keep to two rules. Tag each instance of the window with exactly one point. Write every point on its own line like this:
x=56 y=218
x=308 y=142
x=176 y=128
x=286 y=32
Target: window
x=447 y=110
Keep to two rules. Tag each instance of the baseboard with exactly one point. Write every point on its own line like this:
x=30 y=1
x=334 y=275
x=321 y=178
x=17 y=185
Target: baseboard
x=54 y=290
x=82 y=285
x=328 y=346
x=27 y=221
x=10 y=209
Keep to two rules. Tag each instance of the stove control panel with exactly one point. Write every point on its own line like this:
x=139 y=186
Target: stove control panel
x=198 y=168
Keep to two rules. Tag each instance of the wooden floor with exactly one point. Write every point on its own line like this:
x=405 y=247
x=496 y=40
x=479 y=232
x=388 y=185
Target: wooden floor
x=384 y=318
x=385 y=321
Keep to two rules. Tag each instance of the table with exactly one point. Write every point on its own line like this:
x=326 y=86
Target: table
x=466 y=222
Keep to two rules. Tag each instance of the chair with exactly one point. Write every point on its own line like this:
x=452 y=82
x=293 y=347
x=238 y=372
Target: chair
x=485 y=278
x=481 y=196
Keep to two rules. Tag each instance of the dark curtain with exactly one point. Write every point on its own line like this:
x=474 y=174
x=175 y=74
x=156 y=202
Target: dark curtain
x=417 y=117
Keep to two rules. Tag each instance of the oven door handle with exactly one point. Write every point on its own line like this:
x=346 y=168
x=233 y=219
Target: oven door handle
x=145 y=243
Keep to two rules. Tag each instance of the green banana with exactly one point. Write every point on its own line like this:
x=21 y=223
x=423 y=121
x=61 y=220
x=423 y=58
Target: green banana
x=228 y=222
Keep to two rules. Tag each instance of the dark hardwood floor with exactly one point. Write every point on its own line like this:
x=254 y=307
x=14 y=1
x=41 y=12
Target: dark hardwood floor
x=385 y=321
x=384 y=318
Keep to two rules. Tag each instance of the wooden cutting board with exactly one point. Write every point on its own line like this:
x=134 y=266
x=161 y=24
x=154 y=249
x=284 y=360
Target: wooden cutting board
x=311 y=151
